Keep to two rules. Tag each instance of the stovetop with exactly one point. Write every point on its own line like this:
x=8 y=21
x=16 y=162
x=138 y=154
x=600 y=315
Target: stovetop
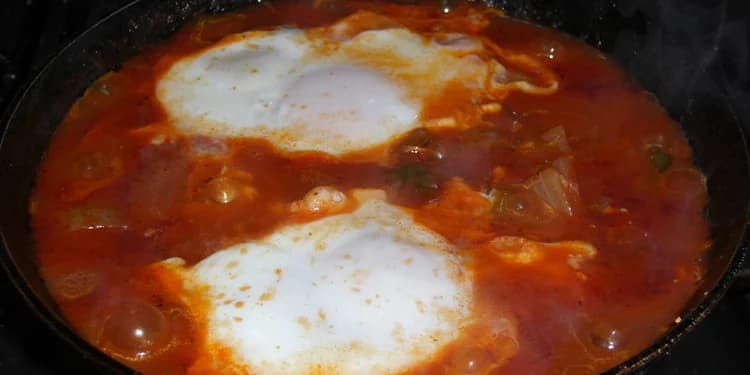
x=32 y=31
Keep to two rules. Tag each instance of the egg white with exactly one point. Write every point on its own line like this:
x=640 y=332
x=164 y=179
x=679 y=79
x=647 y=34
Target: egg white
x=367 y=292
x=304 y=90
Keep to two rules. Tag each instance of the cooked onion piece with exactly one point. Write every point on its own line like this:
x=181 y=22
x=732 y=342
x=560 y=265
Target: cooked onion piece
x=134 y=330
x=224 y=190
x=492 y=342
x=555 y=190
x=518 y=250
x=73 y=285
x=459 y=203
x=202 y=146
x=320 y=201
x=94 y=217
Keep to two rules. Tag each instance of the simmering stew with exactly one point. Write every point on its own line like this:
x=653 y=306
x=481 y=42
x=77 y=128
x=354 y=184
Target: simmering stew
x=340 y=187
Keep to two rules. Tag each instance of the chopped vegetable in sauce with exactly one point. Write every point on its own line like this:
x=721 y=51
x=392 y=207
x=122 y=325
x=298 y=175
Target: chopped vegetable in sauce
x=515 y=160
x=414 y=176
x=660 y=159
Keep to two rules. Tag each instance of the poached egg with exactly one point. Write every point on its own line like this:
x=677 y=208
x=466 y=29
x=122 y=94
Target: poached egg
x=365 y=292
x=330 y=91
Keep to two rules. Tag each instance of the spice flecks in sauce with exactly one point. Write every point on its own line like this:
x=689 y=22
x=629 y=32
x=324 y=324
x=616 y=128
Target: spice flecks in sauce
x=120 y=190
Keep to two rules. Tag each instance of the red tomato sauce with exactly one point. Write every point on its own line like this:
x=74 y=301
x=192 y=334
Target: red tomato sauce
x=109 y=202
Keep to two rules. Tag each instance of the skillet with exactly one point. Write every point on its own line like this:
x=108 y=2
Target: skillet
x=666 y=45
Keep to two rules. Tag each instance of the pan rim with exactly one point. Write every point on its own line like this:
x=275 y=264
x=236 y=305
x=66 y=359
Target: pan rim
x=51 y=319
x=56 y=323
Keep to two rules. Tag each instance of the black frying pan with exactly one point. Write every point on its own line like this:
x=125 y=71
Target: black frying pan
x=676 y=48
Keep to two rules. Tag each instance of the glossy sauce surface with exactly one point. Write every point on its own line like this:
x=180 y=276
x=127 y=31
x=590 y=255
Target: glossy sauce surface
x=110 y=202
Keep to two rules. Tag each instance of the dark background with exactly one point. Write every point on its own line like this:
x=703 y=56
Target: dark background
x=709 y=36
